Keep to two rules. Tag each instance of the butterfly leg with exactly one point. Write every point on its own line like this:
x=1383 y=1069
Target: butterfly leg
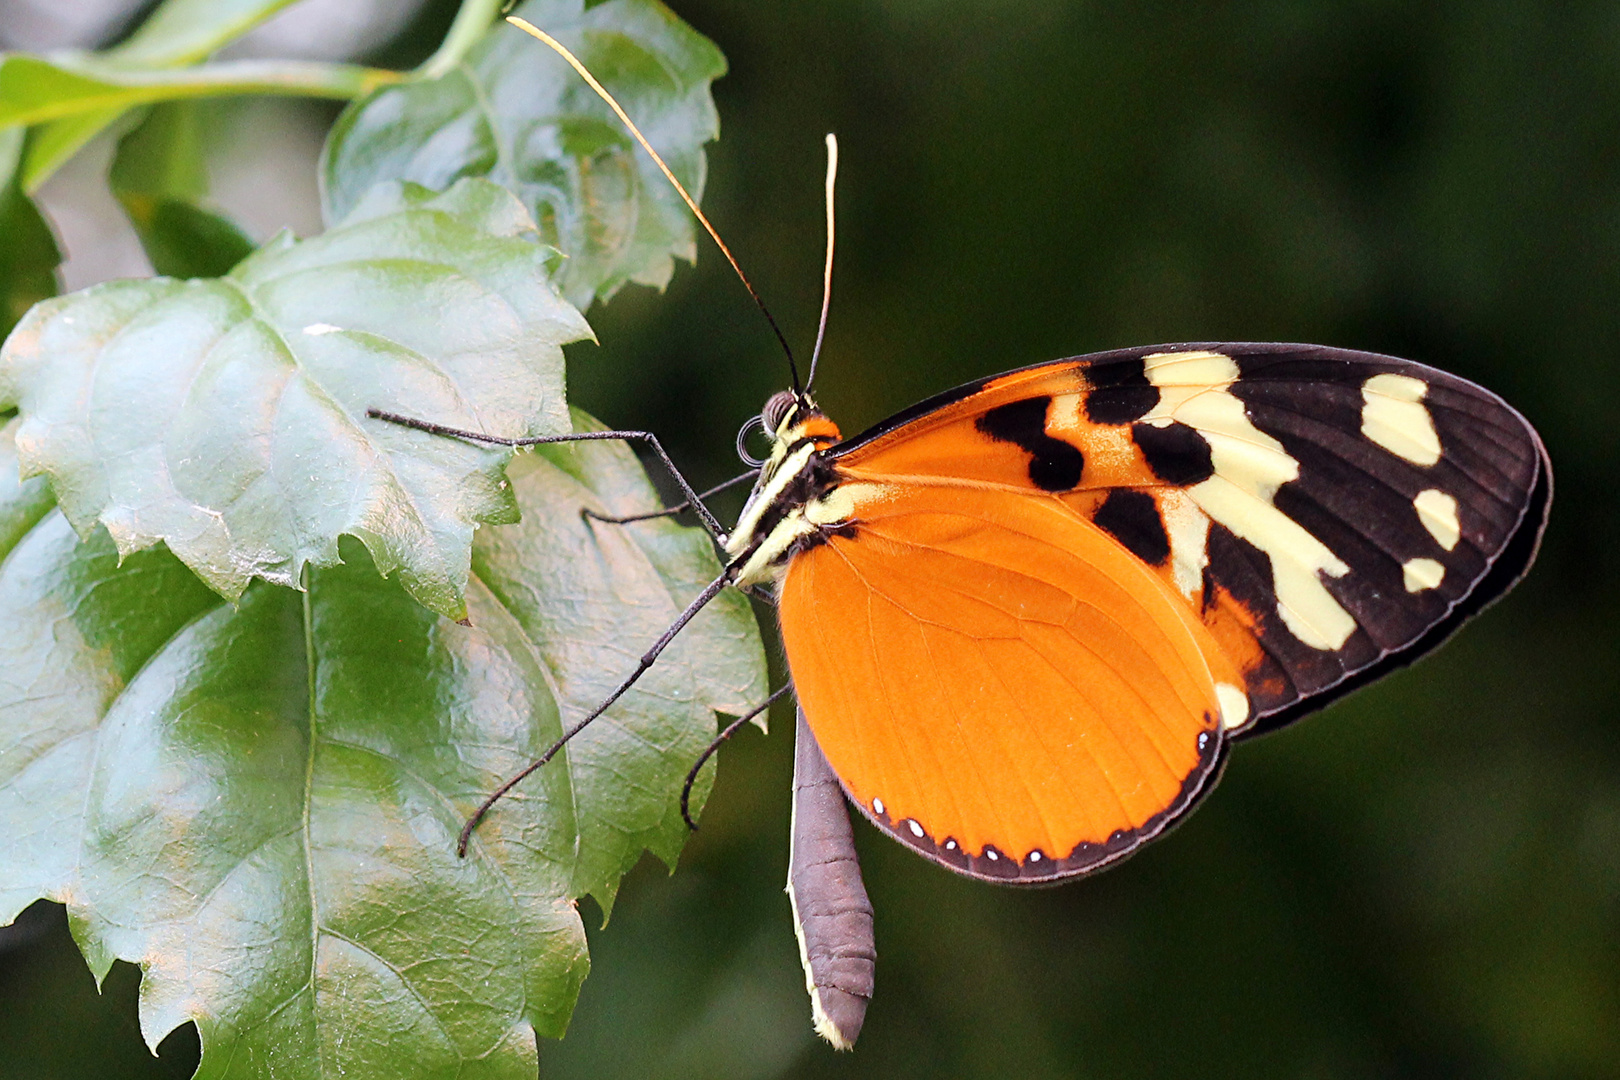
x=671 y=511
x=710 y=591
x=708 y=752
x=695 y=501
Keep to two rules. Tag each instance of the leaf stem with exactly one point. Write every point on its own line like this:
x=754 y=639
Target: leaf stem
x=470 y=25
x=106 y=87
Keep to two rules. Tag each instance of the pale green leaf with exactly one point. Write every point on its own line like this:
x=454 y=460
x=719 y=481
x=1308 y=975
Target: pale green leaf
x=516 y=113
x=227 y=417
x=34 y=90
x=176 y=33
x=258 y=803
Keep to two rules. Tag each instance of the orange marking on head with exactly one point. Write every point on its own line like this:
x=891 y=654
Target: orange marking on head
x=817 y=427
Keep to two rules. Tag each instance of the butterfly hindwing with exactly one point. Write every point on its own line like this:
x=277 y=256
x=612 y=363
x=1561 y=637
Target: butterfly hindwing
x=998 y=684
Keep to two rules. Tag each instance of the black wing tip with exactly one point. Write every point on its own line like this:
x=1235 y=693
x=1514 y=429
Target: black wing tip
x=1504 y=570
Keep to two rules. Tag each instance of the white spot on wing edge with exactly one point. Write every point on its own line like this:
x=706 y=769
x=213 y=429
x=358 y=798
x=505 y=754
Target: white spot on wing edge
x=916 y=829
x=1234 y=705
x=1438 y=512
x=1421 y=575
x=1393 y=416
x=877 y=807
x=319 y=328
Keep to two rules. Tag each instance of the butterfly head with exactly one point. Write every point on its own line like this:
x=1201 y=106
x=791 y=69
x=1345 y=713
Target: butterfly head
x=791 y=420
x=789 y=417
x=779 y=409
x=793 y=475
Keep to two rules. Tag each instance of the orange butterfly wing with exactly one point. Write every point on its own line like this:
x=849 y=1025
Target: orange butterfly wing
x=999 y=683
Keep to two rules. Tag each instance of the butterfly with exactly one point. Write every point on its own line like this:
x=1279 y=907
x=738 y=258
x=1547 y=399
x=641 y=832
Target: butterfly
x=1027 y=618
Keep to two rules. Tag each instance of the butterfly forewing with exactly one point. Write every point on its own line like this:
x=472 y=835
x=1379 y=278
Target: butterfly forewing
x=1330 y=514
x=1313 y=516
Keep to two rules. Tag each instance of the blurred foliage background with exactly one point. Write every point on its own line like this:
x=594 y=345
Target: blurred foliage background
x=1423 y=881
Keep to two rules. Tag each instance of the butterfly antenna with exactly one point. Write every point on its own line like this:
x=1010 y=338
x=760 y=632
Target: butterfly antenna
x=602 y=91
x=826 y=277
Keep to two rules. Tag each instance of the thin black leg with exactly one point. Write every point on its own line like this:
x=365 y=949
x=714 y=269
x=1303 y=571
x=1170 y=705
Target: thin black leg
x=710 y=591
x=708 y=752
x=670 y=511
x=709 y=521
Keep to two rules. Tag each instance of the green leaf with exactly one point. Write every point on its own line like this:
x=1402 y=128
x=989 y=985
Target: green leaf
x=227 y=417
x=685 y=558
x=563 y=573
x=28 y=253
x=34 y=90
x=259 y=803
x=516 y=113
x=160 y=177
x=177 y=33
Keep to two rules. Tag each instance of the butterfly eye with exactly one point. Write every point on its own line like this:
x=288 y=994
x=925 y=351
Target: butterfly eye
x=751 y=425
x=776 y=410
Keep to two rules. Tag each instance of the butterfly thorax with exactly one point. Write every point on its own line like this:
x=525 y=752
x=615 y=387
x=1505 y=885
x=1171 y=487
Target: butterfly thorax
x=795 y=502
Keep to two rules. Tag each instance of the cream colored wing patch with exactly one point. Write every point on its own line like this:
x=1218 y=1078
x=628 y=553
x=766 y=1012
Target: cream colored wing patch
x=1249 y=466
x=1393 y=416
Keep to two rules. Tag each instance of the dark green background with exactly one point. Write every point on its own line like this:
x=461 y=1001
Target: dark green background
x=1423 y=881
